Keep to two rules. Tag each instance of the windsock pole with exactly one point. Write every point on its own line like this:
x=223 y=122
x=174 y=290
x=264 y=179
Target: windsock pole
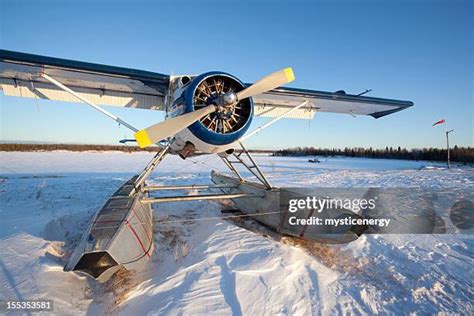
x=447 y=144
x=443 y=121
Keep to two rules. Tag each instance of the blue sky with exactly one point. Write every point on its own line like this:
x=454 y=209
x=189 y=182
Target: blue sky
x=411 y=50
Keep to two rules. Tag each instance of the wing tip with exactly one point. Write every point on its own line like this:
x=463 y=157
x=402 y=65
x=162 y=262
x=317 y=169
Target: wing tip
x=380 y=114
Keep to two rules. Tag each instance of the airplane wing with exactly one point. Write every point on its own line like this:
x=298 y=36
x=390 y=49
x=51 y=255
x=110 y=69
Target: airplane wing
x=280 y=100
x=124 y=87
x=103 y=85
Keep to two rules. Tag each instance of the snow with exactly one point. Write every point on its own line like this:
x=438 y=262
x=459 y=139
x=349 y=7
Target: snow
x=225 y=266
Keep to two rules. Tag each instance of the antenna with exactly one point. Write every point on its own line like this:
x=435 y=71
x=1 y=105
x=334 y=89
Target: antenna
x=366 y=91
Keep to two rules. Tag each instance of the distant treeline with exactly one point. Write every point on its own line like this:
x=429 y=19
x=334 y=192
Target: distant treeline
x=74 y=147
x=458 y=154
x=78 y=147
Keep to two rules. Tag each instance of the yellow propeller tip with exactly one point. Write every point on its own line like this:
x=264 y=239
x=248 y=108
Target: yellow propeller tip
x=290 y=76
x=142 y=138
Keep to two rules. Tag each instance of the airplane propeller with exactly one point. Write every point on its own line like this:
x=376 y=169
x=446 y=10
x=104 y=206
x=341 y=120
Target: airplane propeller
x=167 y=128
x=267 y=83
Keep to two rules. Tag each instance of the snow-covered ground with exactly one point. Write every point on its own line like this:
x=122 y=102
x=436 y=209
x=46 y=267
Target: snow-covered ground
x=220 y=266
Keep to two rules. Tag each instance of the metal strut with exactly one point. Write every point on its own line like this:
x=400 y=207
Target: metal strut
x=149 y=169
x=186 y=187
x=253 y=165
x=182 y=198
x=138 y=186
x=229 y=164
x=85 y=100
x=250 y=166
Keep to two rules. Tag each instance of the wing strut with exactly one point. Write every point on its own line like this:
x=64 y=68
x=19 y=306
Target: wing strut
x=95 y=106
x=259 y=129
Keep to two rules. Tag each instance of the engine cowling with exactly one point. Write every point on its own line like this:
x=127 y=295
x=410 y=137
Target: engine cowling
x=220 y=128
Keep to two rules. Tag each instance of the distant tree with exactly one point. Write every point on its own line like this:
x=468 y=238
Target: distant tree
x=458 y=154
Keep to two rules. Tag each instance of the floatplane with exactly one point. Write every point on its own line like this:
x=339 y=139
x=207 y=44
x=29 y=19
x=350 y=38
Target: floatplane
x=209 y=113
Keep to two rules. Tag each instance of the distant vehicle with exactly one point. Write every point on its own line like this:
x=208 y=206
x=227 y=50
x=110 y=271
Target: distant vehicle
x=315 y=160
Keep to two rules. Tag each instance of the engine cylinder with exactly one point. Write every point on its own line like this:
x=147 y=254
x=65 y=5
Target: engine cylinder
x=228 y=123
